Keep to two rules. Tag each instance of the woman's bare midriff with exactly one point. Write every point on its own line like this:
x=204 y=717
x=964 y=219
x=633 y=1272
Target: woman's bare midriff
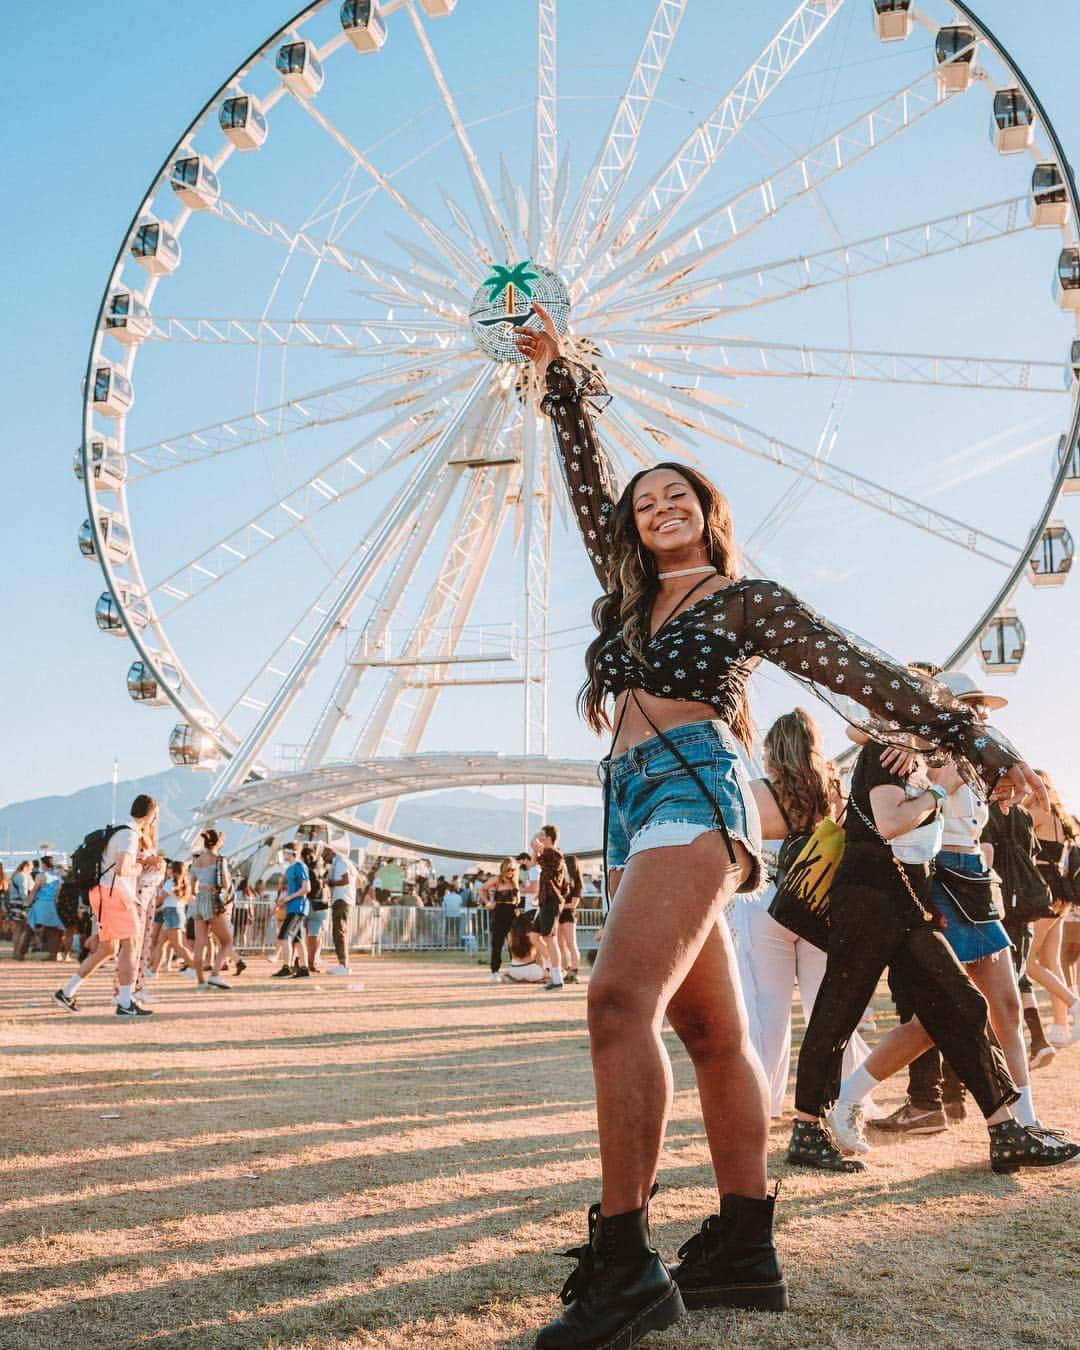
x=666 y=713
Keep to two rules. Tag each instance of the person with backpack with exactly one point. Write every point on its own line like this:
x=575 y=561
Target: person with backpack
x=213 y=900
x=779 y=945
x=108 y=864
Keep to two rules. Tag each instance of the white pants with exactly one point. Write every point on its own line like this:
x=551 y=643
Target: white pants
x=771 y=961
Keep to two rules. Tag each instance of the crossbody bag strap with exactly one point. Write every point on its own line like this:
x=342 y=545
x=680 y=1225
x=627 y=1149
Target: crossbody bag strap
x=870 y=825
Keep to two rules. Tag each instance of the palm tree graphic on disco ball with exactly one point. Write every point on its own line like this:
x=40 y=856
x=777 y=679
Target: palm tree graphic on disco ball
x=495 y=313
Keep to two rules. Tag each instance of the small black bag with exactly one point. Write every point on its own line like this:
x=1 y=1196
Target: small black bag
x=977 y=898
x=787 y=909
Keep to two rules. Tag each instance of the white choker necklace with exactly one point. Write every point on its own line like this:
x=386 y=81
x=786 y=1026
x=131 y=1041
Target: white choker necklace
x=686 y=572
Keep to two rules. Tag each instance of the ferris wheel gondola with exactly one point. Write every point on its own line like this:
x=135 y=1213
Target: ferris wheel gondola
x=380 y=465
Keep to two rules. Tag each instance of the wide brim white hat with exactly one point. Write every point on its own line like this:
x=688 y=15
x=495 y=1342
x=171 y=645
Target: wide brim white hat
x=962 y=686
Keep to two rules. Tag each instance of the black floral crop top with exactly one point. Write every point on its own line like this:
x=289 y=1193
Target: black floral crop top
x=708 y=650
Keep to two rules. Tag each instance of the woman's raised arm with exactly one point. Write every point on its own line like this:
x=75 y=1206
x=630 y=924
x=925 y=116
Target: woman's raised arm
x=573 y=395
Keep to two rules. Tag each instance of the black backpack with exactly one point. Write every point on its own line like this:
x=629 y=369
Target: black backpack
x=85 y=870
x=68 y=901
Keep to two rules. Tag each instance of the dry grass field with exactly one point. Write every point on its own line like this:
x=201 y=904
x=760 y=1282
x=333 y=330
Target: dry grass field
x=309 y=1164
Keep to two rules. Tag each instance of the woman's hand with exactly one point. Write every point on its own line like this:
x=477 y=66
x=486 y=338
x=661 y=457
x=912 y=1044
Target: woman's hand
x=1020 y=785
x=898 y=760
x=540 y=345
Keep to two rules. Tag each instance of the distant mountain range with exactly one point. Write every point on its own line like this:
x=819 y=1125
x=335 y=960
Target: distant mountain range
x=459 y=819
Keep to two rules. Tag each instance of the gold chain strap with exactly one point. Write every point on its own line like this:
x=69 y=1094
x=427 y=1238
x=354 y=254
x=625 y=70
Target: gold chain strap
x=927 y=916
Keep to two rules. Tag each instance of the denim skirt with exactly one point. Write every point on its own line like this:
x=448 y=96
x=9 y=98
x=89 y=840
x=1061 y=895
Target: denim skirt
x=969 y=941
x=655 y=802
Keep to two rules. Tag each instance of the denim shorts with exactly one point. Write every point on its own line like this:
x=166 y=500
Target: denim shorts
x=655 y=803
x=170 y=918
x=969 y=941
x=315 y=921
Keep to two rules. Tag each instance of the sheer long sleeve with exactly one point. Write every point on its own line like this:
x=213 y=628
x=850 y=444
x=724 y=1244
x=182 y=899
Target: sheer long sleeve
x=905 y=707
x=573 y=395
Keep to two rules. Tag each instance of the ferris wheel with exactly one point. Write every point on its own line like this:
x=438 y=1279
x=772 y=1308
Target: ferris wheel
x=332 y=526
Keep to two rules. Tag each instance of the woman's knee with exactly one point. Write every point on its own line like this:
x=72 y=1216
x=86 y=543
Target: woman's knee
x=614 y=1008
x=708 y=1033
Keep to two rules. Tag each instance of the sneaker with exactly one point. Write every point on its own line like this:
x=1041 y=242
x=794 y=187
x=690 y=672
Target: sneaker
x=848 y=1126
x=1042 y=1057
x=911 y=1119
x=1058 y=1036
x=188 y=974
x=495 y=977
x=301 y=973
x=339 y=970
x=571 y=977
x=217 y=982
x=285 y=973
x=552 y=985
x=955 y=1111
x=64 y=1001
x=133 y=1009
x=240 y=967
x=1012 y=1147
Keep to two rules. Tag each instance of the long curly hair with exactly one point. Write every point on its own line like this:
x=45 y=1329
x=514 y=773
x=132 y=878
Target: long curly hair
x=798 y=770
x=633 y=582
x=1065 y=818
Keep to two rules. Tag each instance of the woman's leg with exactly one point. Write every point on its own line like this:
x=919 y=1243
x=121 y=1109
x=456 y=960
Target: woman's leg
x=667 y=905
x=765 y=951
x=995 y=979
x=222 y=933
x=199 y=951
x=1044 y=965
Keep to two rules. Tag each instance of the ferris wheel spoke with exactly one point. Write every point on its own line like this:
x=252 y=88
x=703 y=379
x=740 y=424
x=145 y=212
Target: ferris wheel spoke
x=329 y=487
x=604 y=181
x=497 y=235
x=669 y=189
x=357 y=337
x=545 y=166
x=460 y=264
x=377 y=545
x=316 y=408
x=464 y=224
x=876 y=496
x=668 y=259
x=750 y=287
x=747 y=359
x=399 y=287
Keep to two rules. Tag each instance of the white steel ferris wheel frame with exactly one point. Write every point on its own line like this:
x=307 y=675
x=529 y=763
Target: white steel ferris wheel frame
x=602 y=242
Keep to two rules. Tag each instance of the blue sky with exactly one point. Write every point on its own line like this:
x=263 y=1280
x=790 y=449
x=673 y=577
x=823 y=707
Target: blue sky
x=100 y=95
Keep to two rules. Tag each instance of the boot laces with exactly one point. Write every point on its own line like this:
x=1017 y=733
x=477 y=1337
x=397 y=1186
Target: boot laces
x=579 y=1279
x=696 y=1247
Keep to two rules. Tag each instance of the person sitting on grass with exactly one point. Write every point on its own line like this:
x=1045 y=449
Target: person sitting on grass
x=524 y=967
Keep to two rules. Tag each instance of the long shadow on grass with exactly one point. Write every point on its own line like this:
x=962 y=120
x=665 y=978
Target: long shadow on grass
x=365 y=1285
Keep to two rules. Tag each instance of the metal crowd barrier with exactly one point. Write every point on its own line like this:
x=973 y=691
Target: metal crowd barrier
x=393 y=928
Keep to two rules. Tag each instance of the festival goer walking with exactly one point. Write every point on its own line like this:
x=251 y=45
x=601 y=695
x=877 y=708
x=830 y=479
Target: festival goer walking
x=499 y=895
x=114 y=905
x=567 y=930
x=212 y=884
x=682 y=839
x=295 y=888
x=318 y=906
x=175 y=895
x=800 y=789
x=341 y=878
x=961 y=897
x=18 y=904
x=1055 y=831
x=42 y=917
x=152 y=872
x=880 y=915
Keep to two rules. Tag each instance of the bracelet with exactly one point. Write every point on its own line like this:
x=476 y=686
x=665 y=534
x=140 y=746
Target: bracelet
x=938 y=793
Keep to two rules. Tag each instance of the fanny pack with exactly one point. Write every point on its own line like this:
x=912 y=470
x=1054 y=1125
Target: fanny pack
x=978 y=898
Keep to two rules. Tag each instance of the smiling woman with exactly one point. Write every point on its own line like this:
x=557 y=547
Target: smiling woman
x=675 y=659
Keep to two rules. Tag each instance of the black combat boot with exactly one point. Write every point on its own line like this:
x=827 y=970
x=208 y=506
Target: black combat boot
x=620 y=1291
x=731 y=1262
